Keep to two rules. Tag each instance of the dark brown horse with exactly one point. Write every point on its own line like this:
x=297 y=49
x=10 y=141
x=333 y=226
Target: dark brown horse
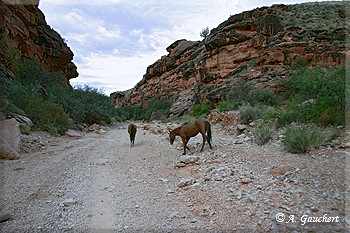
x=188 y=130
x=132 y=132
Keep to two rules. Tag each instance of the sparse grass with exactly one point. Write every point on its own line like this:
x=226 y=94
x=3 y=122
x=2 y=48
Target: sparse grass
x=262 y=134
x=245 y=93
x=186 y=119
x=302 y=139
x=248 y=113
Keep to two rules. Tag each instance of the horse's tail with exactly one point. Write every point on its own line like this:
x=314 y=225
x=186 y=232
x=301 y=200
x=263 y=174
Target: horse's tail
x=132 y=132
x=208 y=129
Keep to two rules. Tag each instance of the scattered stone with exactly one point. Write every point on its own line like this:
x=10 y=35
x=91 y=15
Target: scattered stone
x=95 y=127
x=188 y=159
x=283 y=169
x=68 y=202
x=186 y=182
x=237 y=141
x=4 y=217
x=164 y=180
x=246 y=180
x=347 y=145
x=73 y=133
x=241 y=127
x=193 y=220
x=180 y=164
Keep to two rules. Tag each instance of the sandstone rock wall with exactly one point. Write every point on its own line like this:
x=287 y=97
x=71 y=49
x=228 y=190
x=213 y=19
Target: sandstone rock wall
x=254 y=45
x=26 y=33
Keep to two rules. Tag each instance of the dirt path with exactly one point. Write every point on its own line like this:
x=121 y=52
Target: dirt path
x=100 y=182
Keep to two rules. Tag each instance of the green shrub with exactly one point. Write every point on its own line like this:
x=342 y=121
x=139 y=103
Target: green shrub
x=224 y=106
x=324 y=86
x=301 y=139
x=249 y=113
x=84 y=104
x=240 y=94
x=245 y=93
x=265 y=96
x=331 y=116
x=44 y=114
x=157 y=105
x=30 y=71
x=51 y=106
x=262 y=134
x=201 y=109
x=186 y=118
x=141 y=113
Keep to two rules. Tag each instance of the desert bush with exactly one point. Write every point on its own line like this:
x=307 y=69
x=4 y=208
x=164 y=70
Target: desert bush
x=157 y=105
x=245 y=93
x=85 y=104
x=201 y=109
x=142 y=113
x=186 y=119
x=314 y=92
x=224 y=106
x=301 y=139
x=30 y=71
x=45 y=114
x=50 y=103
x=249 y=113
x=262 y=134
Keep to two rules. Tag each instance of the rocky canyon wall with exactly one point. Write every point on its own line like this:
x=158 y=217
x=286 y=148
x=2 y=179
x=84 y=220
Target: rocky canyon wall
x=252 y=46
x=25 y=33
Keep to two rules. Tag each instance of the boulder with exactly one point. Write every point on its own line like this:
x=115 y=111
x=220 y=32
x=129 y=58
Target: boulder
x=73 y=133
x=241 y=127
x=6 y=151
x=186 y=182
x=246 y=180
x=188 y=159
x=95 y=127
x=24 y=122
x=10 y=132
x=283 y=169
x=4 y=217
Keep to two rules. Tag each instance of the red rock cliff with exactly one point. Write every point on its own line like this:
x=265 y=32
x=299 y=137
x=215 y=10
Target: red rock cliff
x=254 y=45
x=27 y=33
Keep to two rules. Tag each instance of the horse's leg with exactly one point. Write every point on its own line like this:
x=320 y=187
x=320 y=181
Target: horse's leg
x=210 y=145
x=185 y=140
x=204 y=138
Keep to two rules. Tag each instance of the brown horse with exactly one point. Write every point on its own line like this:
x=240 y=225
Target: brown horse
x=188 y=130
x=132 y=132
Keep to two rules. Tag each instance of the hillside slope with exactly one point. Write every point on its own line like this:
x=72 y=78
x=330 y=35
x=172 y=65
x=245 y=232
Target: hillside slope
x=25 y=33
x=258 y=45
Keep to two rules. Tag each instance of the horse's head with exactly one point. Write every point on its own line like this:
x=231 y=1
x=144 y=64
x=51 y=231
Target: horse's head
x=172 y=137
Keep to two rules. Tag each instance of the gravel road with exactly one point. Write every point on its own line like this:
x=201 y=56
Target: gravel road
x=98 y=182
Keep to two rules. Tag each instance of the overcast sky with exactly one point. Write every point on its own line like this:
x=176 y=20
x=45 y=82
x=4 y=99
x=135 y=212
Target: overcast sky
x=114 y=41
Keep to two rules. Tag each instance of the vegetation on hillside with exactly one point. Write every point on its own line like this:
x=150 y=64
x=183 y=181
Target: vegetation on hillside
x=46 y=99
x=313 y=97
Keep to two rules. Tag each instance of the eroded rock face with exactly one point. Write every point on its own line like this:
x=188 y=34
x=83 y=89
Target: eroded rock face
x=254 y=45
x=27 y=34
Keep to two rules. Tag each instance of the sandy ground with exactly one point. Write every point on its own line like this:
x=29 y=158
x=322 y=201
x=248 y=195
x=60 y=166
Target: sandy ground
x=98 y=182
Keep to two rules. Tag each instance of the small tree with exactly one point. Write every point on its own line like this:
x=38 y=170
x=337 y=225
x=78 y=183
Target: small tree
x=204 y=33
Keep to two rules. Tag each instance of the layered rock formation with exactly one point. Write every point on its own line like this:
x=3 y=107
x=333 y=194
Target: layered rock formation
x=254 y=45
x=24 y=32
